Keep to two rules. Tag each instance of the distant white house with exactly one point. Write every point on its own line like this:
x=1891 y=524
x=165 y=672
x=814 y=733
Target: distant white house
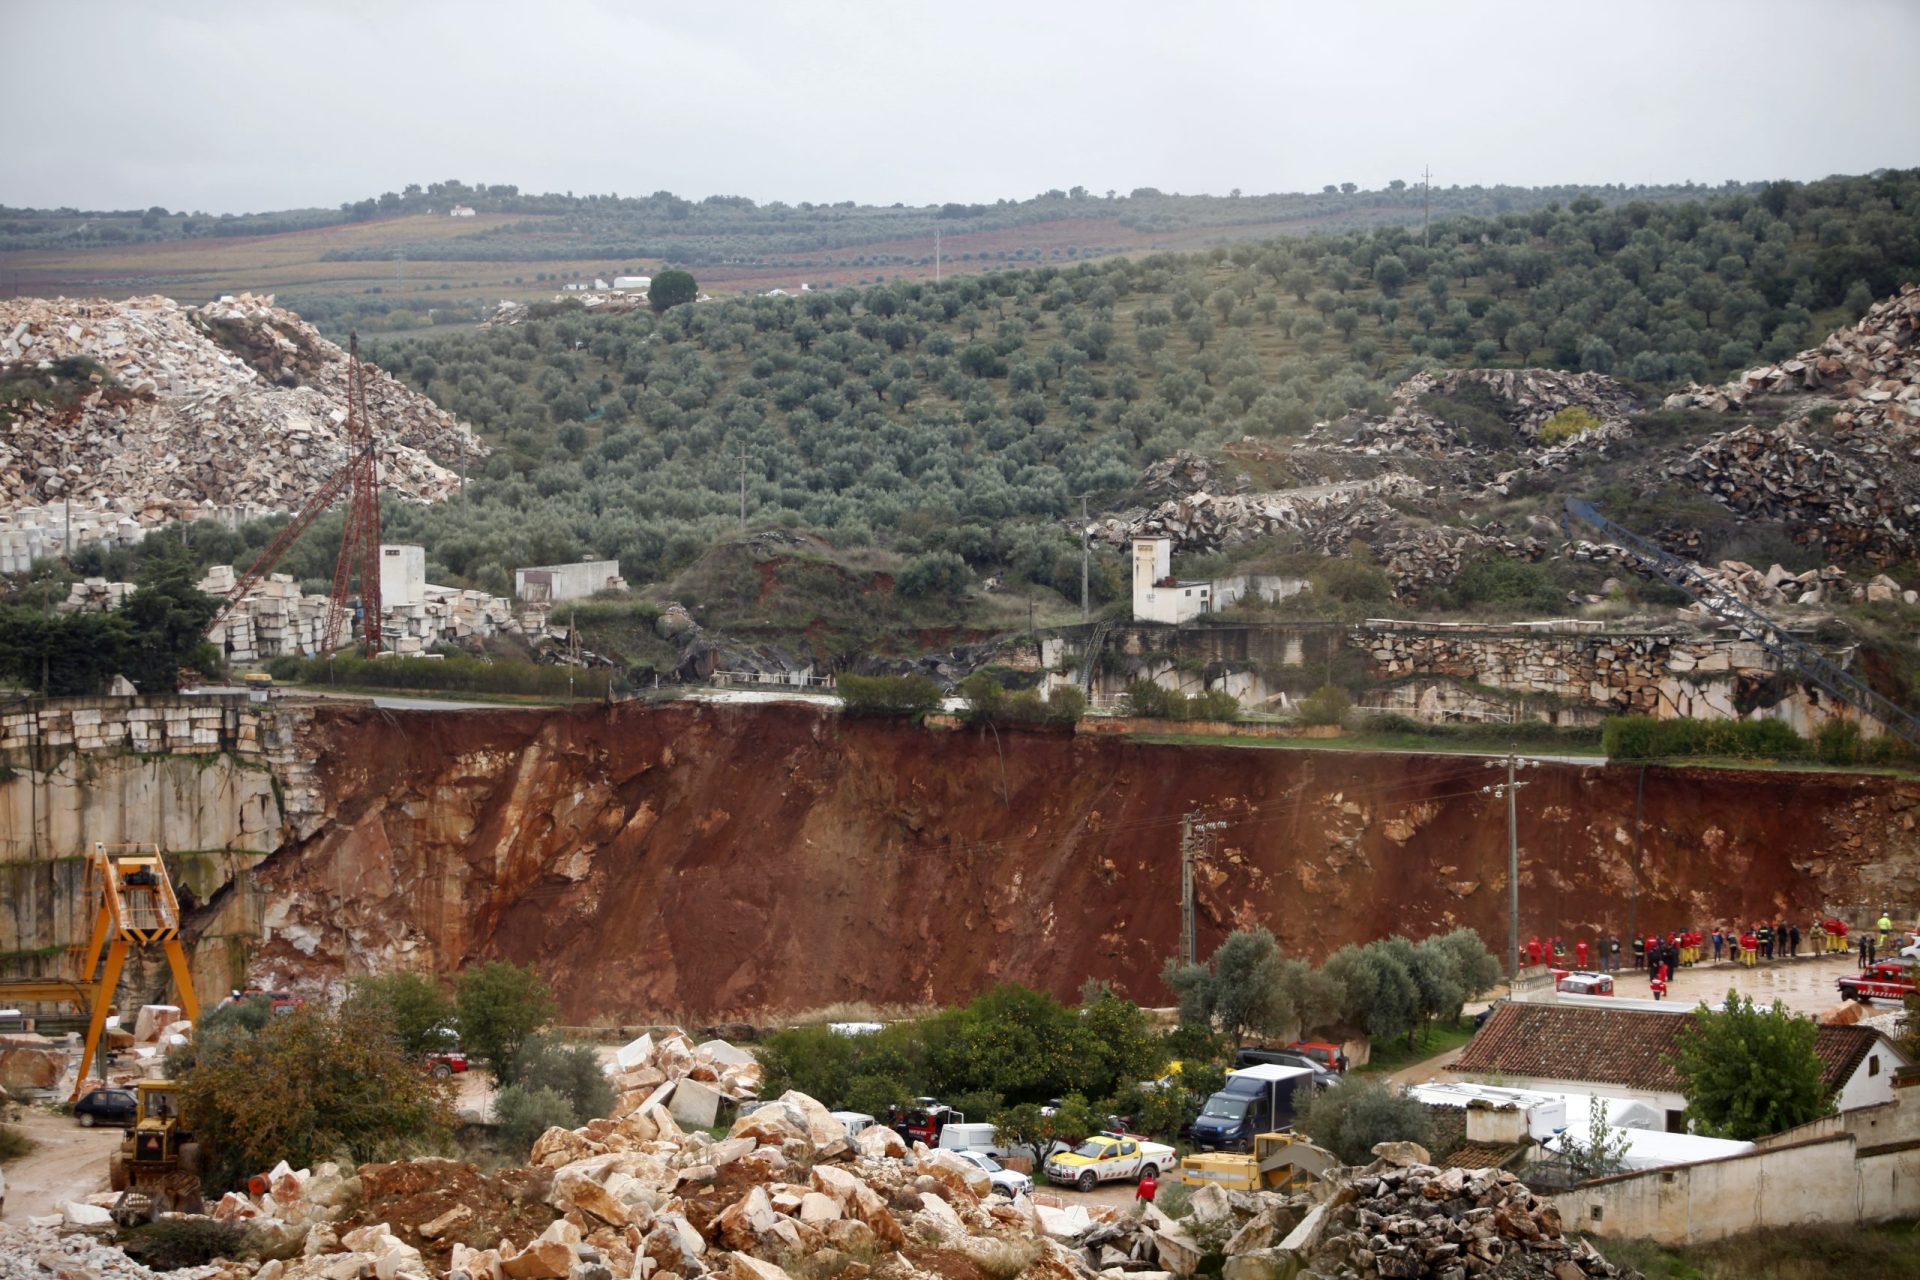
x=460 y=211
x=633 y=282
x=1160 y=597
x=788 y=293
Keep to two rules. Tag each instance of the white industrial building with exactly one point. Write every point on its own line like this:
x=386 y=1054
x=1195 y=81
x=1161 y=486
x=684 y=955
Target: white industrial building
x=403 y=574
x=552 y=583
x=641 y=283
x=1160 y=597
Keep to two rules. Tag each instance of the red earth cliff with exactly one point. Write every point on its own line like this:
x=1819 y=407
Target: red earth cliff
x=705 y=862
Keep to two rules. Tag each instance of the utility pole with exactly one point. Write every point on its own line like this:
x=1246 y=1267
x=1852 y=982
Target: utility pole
x=1426 y=204
x=1086 y=562
x=743 y=485
x=1196 y=838
x=1512 y=763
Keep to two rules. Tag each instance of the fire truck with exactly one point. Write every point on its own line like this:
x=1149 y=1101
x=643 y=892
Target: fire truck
x=1884 y=980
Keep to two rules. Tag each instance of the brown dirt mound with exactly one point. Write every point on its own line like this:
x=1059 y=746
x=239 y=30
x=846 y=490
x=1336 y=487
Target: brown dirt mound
x=509 y=1204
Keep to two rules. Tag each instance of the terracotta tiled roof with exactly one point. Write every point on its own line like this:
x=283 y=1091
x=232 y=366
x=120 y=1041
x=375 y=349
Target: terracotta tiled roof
x=1483 y=1155
x=1629 y=1048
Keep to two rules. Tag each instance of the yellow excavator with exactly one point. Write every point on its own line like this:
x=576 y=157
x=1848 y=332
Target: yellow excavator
x=1278 y=1162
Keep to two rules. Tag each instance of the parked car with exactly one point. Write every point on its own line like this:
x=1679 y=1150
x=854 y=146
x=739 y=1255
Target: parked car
x=1007 y=1182
x=106 y=1106
x=1331 y=1057
x=1884 y=980
x=446 y=1064
x=1110 y=1157
x=1480 y=1018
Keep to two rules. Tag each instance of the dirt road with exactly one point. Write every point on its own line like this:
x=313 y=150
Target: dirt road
x=68 y=1163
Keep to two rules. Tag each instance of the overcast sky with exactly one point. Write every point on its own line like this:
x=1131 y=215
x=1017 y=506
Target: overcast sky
x=238 y=105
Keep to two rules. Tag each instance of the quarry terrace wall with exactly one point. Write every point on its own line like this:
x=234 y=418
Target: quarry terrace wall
x=711 y=861
x=1561 y=672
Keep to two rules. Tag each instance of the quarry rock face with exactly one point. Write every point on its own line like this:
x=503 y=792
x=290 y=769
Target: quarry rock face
x=238 y=402
x=728 y=862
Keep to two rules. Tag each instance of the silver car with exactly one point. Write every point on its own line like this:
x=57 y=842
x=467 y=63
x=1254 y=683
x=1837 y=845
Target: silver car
x=1007 y=1182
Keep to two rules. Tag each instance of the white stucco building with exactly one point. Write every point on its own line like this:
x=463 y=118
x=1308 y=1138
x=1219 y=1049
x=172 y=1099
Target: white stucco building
x=1160 y=597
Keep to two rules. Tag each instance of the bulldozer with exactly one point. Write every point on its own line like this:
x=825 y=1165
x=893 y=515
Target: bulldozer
x=1278 y=1162
x=157 y=1168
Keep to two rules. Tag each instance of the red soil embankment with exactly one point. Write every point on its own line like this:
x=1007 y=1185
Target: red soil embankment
x=706 y=861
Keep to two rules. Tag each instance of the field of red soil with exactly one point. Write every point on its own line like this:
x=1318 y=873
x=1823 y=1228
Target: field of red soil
x=707 y=862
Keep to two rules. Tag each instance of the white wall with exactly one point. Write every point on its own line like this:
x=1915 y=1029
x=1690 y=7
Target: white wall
x=1872 y=1081
x=1867 y=1171
x=1153 y=564
x=574 y=581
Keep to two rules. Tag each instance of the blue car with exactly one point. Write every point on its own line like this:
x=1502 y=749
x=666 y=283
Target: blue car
x=106 y=1106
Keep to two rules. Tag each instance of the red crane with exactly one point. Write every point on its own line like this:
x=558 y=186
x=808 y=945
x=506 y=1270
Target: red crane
x=359 y=478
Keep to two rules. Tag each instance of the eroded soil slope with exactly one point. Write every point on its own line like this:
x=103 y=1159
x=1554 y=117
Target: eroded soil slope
x=714 y=861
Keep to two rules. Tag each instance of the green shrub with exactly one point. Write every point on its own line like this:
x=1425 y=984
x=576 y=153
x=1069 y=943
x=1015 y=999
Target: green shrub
x=1644 y=738
x=1570 y=423
x=1329 y=704
x=1352 y=581
x=913 y=695
x=523 y=1112
x=937 y=575
x=170 y=1244
x=1362 y=1111
x=1150 y=701
x=570 y=1070
x=1214 y=704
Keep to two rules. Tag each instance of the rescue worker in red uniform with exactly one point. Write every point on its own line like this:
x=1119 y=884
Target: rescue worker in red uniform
x=1533 y=949
x=1580 y=953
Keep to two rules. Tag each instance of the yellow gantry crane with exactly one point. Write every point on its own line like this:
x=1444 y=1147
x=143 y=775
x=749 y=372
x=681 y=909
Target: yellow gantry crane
x=133 y=905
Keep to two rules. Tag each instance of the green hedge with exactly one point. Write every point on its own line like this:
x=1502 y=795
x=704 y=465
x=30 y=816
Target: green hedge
x=1644 y=738
x=888 y=695
x=464 y=675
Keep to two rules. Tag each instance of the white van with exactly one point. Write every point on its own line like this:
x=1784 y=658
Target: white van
x=854 y=1120
x=972 y=1137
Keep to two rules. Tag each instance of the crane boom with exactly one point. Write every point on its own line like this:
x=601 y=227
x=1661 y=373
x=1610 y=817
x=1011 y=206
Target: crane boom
x=1793 y=653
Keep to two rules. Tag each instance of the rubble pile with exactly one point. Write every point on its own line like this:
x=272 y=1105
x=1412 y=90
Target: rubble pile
x=640 y=1196
x=276 y=618
x=1776 y=586
x=237 y=402
x=1420 y=559
x=1874 y=366
x=692 y=1081
x=1533 y=396
x=1407 y=1219
x=1327 y=515
x=39 y=1249
x=1185 y=472
x=1857 y=495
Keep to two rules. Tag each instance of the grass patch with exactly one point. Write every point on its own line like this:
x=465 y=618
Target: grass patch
x=1401 y=743
x=1438 y=1038
x=1807 y=1252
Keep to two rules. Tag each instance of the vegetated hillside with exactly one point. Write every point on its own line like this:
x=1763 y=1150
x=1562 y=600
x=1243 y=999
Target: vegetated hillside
x=688 y=860
x=968 y=417
x=398 y=261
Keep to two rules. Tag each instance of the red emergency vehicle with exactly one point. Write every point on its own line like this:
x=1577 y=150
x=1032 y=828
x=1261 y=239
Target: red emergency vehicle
x=1884 y=980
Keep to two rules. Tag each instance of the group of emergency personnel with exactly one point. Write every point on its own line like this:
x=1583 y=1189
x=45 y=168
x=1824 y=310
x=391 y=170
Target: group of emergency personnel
x=1660 y=956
